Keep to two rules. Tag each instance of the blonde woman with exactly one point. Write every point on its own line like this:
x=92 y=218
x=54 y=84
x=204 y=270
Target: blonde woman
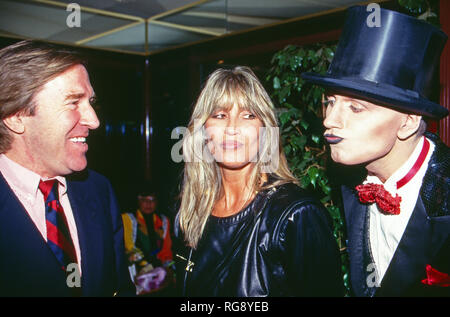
x=244 y=225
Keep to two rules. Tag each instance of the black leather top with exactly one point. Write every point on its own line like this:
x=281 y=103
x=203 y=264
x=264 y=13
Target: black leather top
x=281 y=244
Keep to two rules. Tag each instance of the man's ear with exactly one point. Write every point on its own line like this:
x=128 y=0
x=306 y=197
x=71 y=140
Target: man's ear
x=411 y=124
x=15 y=123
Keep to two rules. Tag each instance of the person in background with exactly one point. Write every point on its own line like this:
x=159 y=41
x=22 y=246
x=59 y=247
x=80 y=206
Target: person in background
x=244 y=227
x=60 y=227
x=398 y=217
x=148 y=242
x=154 y=230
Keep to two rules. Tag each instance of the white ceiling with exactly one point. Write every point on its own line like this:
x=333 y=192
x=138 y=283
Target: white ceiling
x=148 y=26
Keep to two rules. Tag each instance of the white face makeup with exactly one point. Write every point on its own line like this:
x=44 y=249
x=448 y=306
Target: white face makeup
x=359 y=132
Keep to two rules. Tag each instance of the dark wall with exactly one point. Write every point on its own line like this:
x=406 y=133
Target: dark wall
x=169 y=104
x=116 y=148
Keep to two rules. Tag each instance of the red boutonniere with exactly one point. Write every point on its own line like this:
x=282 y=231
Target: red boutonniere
x=375 y=193
x=436 y=278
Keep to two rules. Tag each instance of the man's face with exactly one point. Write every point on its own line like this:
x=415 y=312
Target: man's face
x=359 y=132
x=55 y=137
x=147 y=204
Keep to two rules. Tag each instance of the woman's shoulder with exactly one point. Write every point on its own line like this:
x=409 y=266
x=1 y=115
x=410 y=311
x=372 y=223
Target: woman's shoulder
x=290 y=206
x=290 y=195
x=288 y=201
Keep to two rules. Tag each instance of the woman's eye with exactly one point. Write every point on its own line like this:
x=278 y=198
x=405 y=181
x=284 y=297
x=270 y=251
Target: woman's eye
x=219 y=116
x=249 y=116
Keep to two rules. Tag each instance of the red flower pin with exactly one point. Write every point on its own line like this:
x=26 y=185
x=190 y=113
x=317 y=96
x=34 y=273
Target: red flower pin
x=436 y=278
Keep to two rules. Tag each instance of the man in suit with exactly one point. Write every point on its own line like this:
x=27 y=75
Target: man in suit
x=378 y=91
x=60 y=228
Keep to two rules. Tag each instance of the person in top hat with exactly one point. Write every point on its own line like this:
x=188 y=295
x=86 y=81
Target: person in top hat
x=378 y=90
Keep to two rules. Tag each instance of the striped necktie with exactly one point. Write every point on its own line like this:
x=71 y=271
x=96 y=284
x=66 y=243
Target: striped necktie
x=58 y=234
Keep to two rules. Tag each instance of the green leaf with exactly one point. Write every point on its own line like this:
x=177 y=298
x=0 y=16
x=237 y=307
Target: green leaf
x=285 y=92
x=315 y=138
x=325 y=199
x=287 y=149
x=305 y=181
x=276 y=83
x=299 y=141
x=326 y=189
x=304 y=124
x=287 y=129
x=284 y=117
x=313 y=173
x=418 y=8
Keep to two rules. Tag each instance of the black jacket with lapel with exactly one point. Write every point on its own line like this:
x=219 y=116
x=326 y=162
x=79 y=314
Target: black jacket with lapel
x=426 y=239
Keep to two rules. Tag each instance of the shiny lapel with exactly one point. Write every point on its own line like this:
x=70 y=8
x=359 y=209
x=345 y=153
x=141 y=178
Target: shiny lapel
x=426 y=232
x=421 y=241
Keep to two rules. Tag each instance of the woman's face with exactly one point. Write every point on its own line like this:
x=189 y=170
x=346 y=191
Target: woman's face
x=233 y=136
x=359 y=132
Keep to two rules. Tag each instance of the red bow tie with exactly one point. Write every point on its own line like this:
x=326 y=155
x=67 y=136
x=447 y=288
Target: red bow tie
x=375 y=193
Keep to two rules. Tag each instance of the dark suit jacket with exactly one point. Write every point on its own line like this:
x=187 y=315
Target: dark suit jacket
x=28 y=266
x=426 y=239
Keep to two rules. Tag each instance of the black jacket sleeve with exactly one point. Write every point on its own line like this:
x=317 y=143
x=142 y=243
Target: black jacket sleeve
x=310 y=253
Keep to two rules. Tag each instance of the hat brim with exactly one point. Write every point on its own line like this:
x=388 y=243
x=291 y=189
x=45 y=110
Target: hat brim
x=386 y=95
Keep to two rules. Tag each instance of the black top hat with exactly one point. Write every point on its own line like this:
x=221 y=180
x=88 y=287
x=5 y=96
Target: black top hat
x=391 y=64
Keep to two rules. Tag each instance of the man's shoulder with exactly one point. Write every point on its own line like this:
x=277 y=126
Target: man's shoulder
x=438 y=170
x=441 y=155
x=89 y=180
x=435 y=191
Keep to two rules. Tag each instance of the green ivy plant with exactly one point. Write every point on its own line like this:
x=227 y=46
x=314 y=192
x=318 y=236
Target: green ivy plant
x=299 y=106
x=422 y=9
x=299 y=110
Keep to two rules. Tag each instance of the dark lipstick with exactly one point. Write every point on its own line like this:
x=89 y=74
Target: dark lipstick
x=332 y=139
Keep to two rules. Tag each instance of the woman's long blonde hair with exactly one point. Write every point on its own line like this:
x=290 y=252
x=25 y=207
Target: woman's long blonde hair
x=202 y=183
